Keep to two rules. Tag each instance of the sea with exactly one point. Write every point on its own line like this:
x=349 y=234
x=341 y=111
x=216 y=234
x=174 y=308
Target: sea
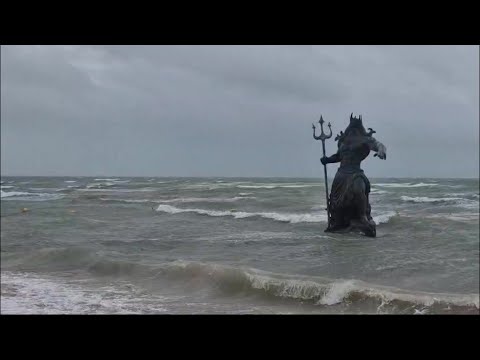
x=152 y=245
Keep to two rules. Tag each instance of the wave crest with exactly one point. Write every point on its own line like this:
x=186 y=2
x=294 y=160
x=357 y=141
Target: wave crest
x=354 y=294
x=283 y=217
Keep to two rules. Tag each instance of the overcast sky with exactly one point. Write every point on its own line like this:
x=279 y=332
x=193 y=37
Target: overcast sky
x=235 y=110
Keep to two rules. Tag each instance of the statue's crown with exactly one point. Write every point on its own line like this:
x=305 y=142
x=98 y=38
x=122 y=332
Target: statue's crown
x=355 y=120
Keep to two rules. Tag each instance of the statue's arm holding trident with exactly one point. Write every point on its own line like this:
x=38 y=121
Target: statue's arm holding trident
x=331 y=159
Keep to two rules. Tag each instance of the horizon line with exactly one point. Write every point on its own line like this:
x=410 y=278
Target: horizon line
x=239 y=177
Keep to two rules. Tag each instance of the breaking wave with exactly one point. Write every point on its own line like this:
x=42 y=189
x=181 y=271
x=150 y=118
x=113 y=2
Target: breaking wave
x=352 y=296
x=291 y=218
x=274 y=186
x=182 y=200
x=460 y=202
x=282 y=217
x=321 y=291
x=425 y=199
x=27 y=196
x=404 y=185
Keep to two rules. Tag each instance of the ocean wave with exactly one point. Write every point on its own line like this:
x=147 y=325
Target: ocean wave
x=5 y=194
x=354 y=295
x=404 y=185
x=211 y=199
x=6 y=186
x=320 y=291
x=70 y=181
x=274 y=186
x=378 y=192
x=182 y=200
x=457 y=201
x=116 y=190
x=461 y=217
x=425 y=199
x=128 y=200
x=100 y=185
x=384 y=217
x=282 y=217
x=349 y=295
x=27 y=196
x=292 y=218
x=107 y=179
x=464 y=195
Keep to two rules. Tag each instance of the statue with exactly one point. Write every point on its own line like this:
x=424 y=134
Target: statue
x=348 y=207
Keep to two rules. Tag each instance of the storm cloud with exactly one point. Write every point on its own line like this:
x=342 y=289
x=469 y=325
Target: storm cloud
x=235 y=110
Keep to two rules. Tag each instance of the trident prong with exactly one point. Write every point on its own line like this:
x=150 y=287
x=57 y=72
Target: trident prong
x=322 y=135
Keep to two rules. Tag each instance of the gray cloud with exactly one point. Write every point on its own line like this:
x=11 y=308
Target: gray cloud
x=234 y=110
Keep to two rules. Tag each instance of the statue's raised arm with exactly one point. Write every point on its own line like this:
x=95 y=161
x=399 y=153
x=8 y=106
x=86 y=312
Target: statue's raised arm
x=378 y=147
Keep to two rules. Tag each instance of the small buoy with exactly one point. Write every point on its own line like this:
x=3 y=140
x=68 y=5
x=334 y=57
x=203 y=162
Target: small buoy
x=24 y=210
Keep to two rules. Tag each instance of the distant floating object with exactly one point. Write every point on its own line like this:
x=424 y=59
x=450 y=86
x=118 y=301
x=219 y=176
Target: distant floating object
x=24 y=210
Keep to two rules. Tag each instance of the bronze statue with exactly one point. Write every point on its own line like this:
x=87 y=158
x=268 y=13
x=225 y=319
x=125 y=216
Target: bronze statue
x=348 y=205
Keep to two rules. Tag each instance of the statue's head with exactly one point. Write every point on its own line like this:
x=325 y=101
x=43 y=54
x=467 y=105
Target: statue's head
x=355 y=126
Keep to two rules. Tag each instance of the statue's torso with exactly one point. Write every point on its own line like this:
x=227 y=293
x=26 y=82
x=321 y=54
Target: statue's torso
x=353 y=150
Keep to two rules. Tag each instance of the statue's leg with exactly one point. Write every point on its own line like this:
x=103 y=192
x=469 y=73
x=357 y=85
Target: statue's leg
x=362 y=206
x=337 y=211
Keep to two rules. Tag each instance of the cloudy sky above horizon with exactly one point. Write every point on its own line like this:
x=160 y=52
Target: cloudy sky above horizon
x=235 y=110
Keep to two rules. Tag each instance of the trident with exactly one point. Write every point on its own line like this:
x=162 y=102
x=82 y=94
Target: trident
x=324 y=137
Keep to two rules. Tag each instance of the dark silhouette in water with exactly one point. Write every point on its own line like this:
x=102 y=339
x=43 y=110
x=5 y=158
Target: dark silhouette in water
x=348 y=205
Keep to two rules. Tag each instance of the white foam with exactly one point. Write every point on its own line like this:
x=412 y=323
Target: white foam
x=26 y=196
x=70 y=181
x=385 y=217
x=29 y=294
x=212 y=199
x=115 y=190
x=128 y=200
x=404 y=185
x=245 y=194
x=286 y=217
x=460 y=202
x=299 y=186
x=282 y=217
x=462 y=217
x=337 y=292
x=99 y=185
x=105 y=179
x=378 y=192
x=5 y=194
x=425 y=199
x=421 y=312
x=6 y=186
x=274 y=186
